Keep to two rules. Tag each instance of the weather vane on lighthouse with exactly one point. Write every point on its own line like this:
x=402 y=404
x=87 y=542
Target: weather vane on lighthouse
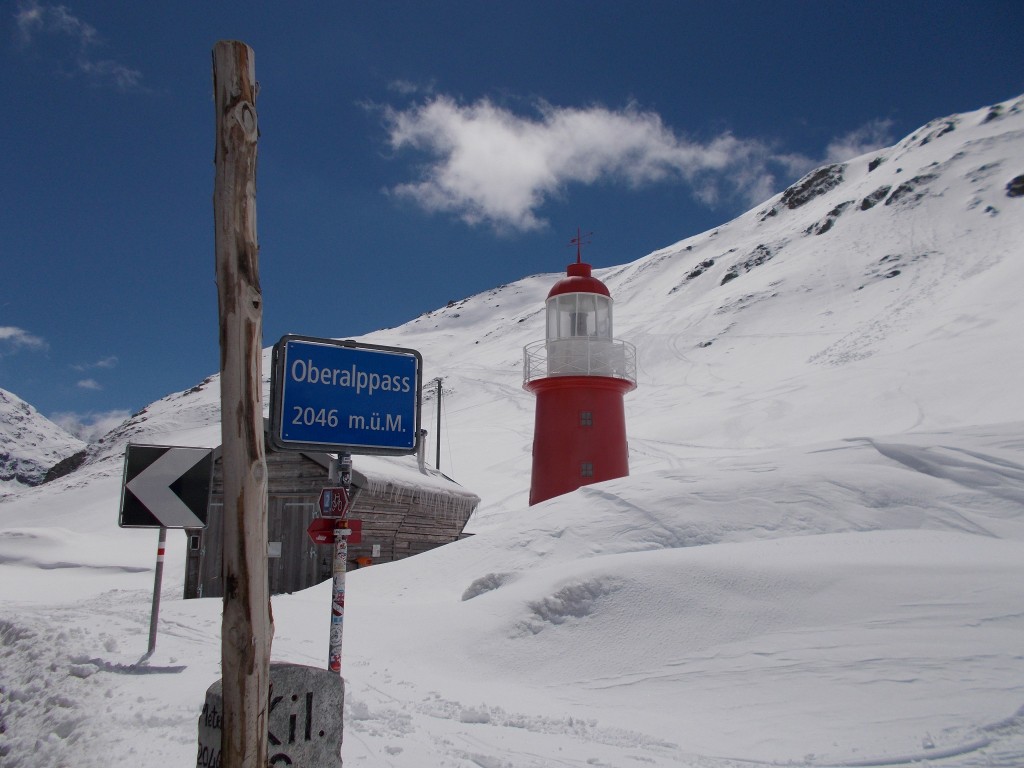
x=579 y=241
x=579 y=373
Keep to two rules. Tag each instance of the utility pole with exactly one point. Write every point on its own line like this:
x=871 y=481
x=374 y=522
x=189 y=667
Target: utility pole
x=247 y=629
x=437 y=461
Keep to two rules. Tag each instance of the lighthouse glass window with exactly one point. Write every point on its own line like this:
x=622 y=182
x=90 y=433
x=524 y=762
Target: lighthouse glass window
x=579 y=314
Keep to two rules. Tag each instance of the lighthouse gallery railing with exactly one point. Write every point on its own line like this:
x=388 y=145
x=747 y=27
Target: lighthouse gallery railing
x=580 y=356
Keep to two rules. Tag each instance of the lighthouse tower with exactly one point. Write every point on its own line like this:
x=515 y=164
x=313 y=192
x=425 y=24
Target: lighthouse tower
x=579 y=374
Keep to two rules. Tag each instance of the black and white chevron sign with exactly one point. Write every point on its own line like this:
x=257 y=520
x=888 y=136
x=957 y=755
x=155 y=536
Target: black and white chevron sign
x=165 y=487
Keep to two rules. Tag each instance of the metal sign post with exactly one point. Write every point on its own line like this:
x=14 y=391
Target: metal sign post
x=158 y=579
x=337 y=600
x=340 y=563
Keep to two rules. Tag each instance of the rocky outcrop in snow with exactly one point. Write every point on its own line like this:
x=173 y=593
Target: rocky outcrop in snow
x=30 y=444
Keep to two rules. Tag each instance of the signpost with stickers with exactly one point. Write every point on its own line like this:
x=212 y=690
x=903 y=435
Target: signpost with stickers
x=343 y=397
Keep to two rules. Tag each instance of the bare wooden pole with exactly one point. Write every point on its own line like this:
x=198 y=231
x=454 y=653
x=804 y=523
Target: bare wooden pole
x=247 y=629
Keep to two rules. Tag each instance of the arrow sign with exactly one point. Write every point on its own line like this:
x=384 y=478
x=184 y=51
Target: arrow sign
x=321 y=530
x=325 y=530
x=165 y=487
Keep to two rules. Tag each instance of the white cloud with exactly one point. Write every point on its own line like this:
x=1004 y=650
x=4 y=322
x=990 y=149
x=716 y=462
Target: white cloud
x=108 y=72
x=13 y=339
x=34 y=17
x=90 y=427
x=490 y=166
x=89 y=384
x=870 y=136
x=409 y=88
x=72 y=41
x=106 y=362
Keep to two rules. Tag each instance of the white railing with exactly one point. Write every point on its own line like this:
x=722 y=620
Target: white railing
x=581 y=356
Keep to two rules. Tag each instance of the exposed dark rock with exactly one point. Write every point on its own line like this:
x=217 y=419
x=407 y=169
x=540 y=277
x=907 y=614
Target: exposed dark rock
x=891 y=265
x=700 y=268
x=812 y=185
x=821 y=227
x=875 y=163
x=909 y=191
x=875 y=197
x=938 y=128
x=760 y=255
x=993 y=113
x=1015 y=187
x=983 y=172
x=65 y=467
x=704 y=344
x=826 y=223
x=197 y=388
x=19 y=470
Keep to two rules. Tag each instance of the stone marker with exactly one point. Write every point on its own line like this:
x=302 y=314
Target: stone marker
x=305 y=725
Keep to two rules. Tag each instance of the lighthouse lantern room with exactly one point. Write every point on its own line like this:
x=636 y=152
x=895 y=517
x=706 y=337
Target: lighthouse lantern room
x=579 y=374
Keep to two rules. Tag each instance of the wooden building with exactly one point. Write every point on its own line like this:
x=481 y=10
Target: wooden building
x=406 y=508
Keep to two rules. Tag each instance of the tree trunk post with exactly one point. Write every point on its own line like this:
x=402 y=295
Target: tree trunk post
x=247 y=629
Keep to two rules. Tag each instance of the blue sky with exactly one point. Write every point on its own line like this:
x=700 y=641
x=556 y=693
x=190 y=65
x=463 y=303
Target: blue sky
x=413 y=153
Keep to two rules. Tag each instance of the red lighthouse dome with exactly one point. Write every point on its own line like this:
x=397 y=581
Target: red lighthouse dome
x=579 y=373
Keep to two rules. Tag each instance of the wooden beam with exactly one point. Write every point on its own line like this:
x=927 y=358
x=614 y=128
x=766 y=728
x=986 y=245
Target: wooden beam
x=247 y=630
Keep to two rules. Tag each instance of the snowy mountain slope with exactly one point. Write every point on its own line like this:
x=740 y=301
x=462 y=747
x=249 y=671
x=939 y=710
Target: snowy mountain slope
x=817 y=559
x=900 y=299
x=928 y=279
x=885 y=321
x=30 y=444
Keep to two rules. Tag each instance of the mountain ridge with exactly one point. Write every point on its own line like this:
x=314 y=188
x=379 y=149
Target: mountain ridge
x=828 y=245
x=30 y=444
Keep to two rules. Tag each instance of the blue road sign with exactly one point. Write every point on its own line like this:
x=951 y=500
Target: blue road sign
x=343 y=396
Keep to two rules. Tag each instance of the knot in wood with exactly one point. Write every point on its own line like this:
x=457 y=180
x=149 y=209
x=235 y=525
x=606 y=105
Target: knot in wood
x=244 y=114
x=255 y=300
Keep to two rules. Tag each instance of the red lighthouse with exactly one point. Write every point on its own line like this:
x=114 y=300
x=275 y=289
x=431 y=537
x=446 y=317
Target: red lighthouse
x=579 y=373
